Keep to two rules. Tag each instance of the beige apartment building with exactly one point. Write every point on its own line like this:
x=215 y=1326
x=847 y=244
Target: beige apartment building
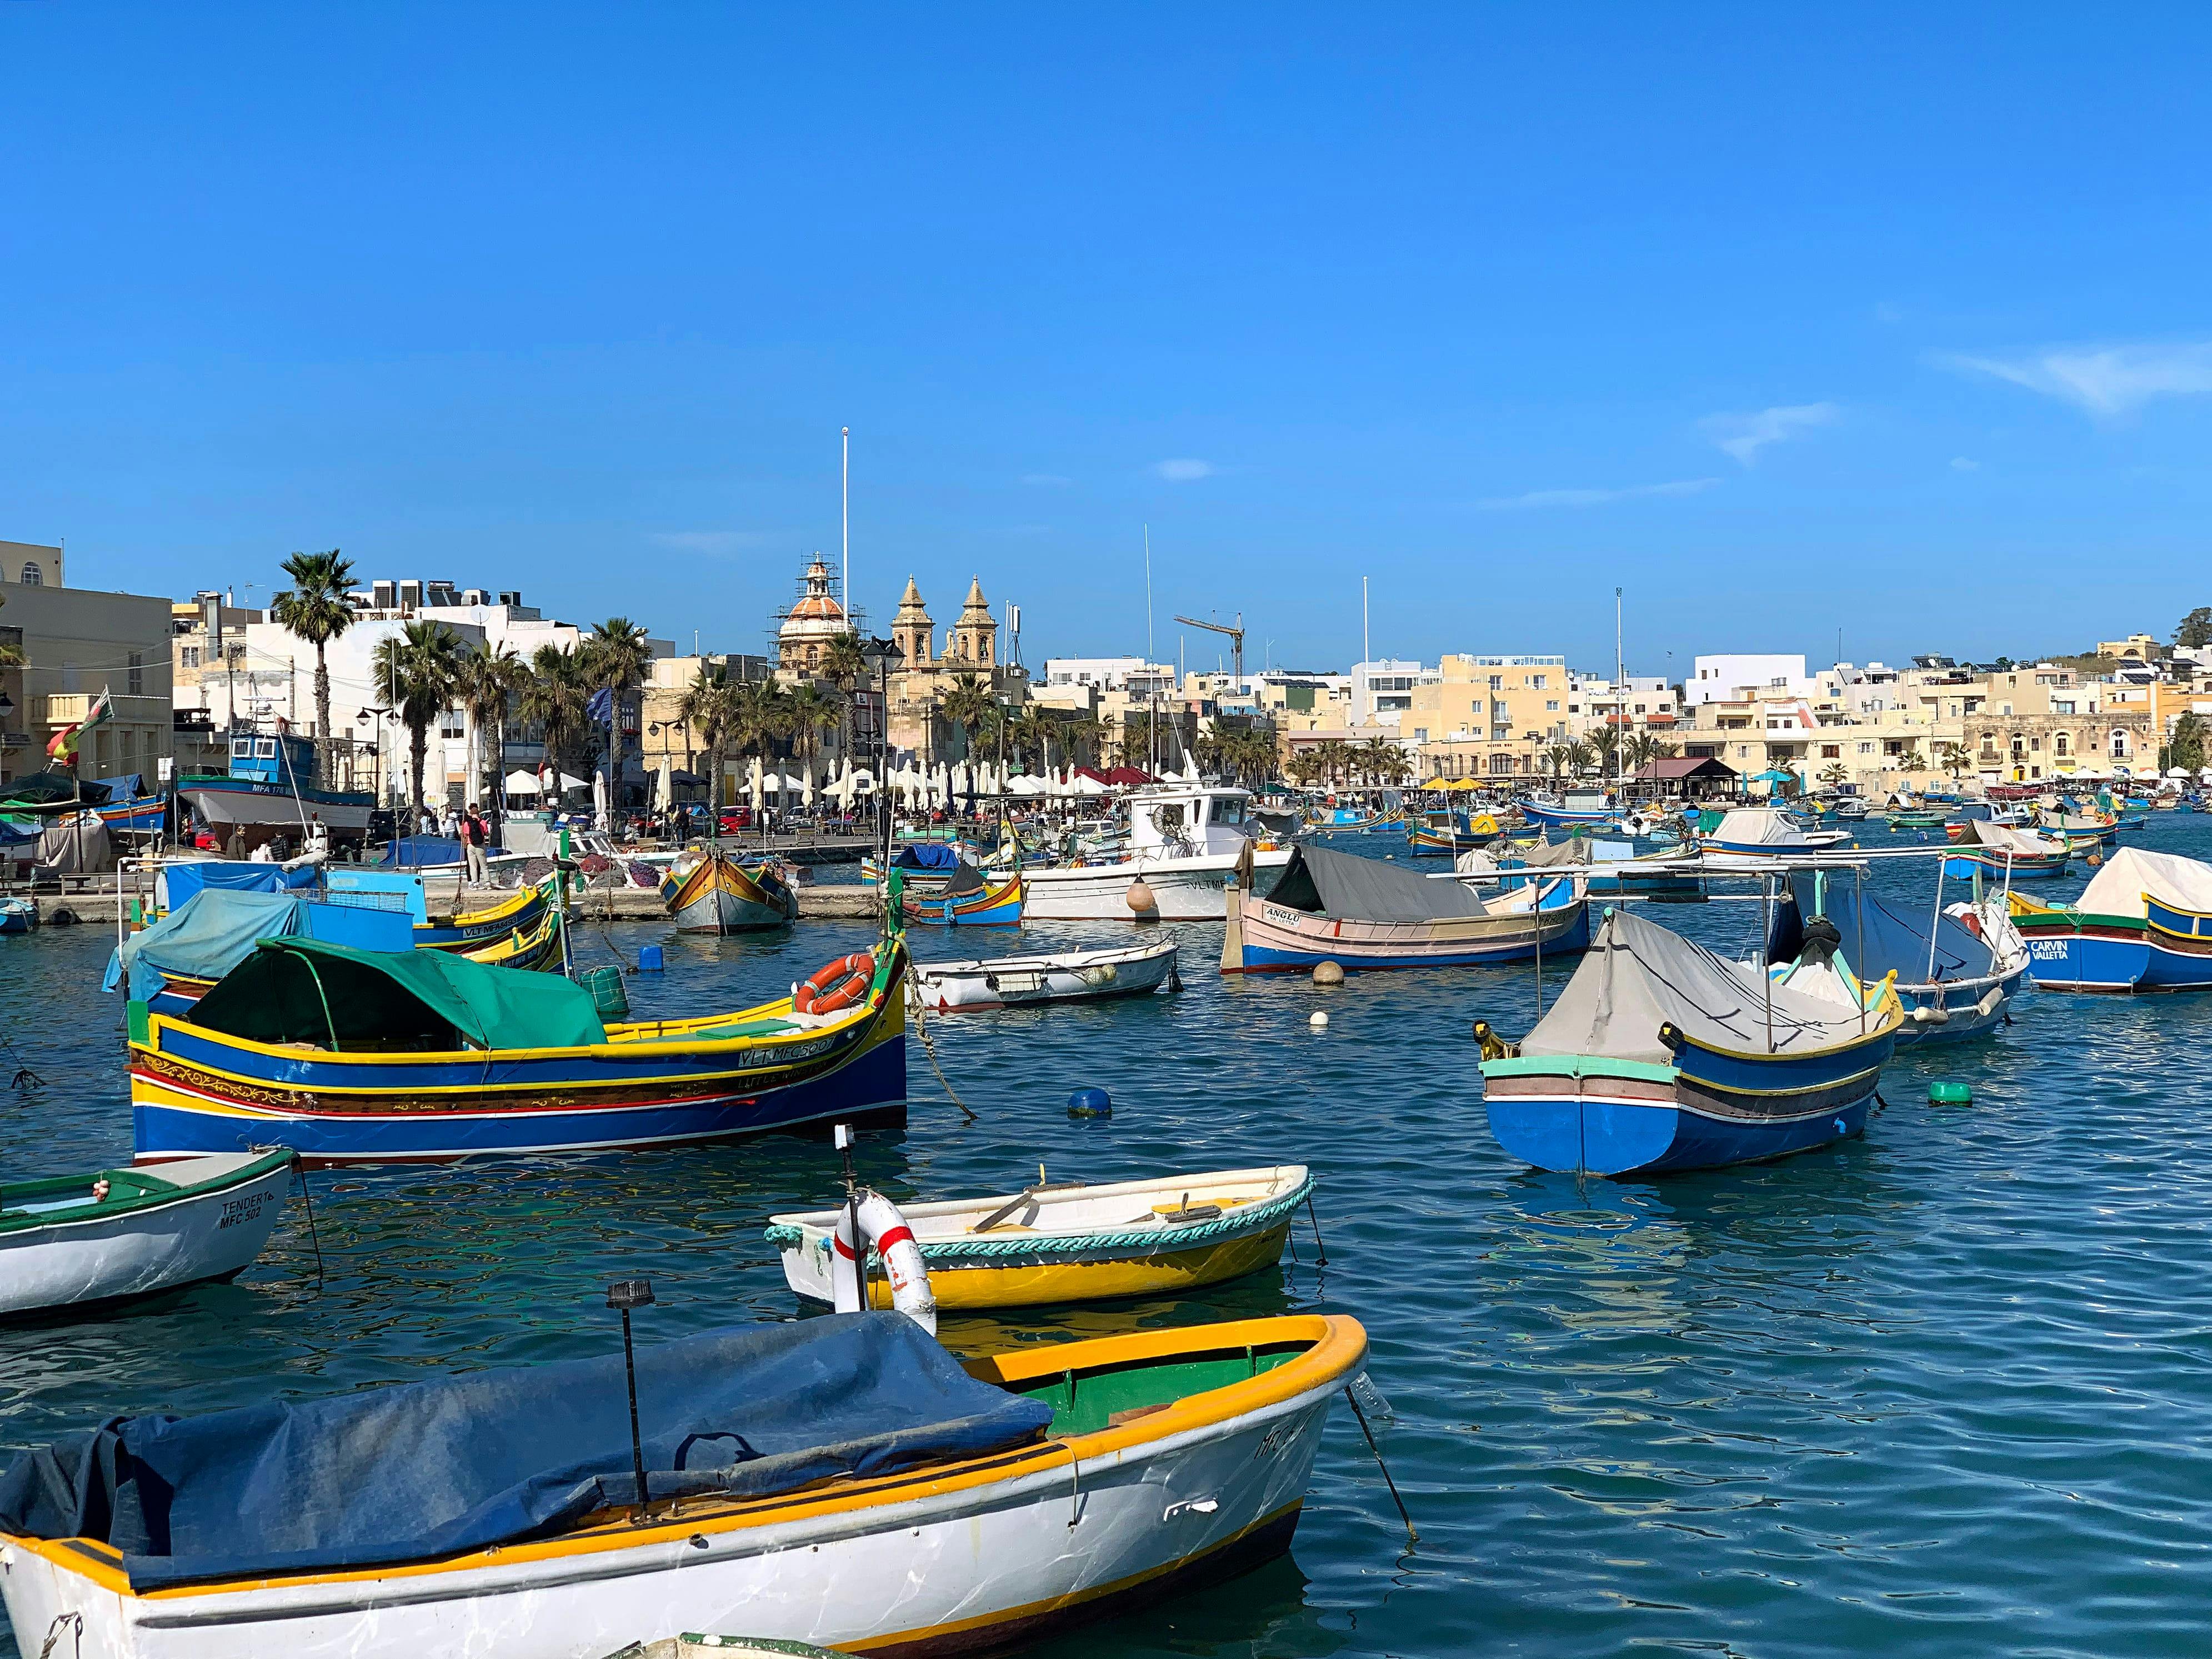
x=75 y=644
x=1491 y=716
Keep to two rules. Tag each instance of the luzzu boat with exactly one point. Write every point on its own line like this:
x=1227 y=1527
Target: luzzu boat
x=1579 y=806
x=970 y=899
x=361 y=1057
x=1764 y=832
x=923 y=866
x=1449 y=833
x=1660 y=1055
x=518 y=913
x=717 y=895
x=1995 y=849
x=1361 y=914
x=1049 y=1245
x=840 y=1480
x=2144 y=923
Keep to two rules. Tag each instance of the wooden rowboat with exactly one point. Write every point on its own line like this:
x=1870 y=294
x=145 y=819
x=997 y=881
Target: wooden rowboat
x=82 y=1239
x=1165 y=1459
x=969 y=900
x=717 y=895
x=1132 y=970
x=1047 y=1246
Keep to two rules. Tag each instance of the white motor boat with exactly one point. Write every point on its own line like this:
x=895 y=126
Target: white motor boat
x=1185 y=839
x=81 y=1239
x=1128 y=970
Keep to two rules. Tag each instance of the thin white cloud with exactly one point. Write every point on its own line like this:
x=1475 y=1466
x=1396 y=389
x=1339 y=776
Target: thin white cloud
x=1185 y=471
x=1744 y=435
x=1046 y=481
x=1960 y=463
x=2107 y=381
x=1594 y=497
x=719 y=542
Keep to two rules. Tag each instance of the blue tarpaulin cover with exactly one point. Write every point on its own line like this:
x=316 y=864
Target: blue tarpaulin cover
x=412 y=851
x=428 y=1469
x=1879 y=935
x=214 y=930
x=180 y=881
x=926 y=855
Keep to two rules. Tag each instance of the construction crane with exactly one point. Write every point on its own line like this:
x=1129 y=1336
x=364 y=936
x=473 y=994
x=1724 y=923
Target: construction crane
x=1236 y=639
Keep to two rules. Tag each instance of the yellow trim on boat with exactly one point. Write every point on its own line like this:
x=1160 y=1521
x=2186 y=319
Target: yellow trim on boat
x=1338 y=1344
x=1044 y=1284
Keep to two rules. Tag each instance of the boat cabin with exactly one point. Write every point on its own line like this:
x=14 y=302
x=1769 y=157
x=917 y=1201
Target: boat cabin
x=273 y=757
x=1189 y=820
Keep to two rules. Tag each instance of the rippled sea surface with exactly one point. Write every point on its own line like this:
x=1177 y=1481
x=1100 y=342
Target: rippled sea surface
x=1945 y=1389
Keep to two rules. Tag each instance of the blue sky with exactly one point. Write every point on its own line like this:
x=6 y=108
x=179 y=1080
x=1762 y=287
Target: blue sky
x=1786 y=323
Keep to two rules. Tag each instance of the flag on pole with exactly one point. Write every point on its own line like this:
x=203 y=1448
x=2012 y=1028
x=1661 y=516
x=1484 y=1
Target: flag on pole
x=63 y=743
x=599 y=709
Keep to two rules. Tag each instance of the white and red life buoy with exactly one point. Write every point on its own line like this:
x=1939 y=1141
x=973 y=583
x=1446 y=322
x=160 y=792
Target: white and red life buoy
x=835 y=987
x=886 y=1230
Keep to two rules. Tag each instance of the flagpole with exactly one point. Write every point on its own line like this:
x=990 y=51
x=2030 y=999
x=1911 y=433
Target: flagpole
x=845 y=495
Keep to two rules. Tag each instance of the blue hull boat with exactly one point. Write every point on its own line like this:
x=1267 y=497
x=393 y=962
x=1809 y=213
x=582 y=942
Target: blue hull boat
x=1660 y=1055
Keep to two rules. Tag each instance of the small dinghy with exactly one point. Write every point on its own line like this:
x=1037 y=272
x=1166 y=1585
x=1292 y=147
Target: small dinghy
x=1661 y=1055
x=842 y=1481
x=969 y=899
x=1997 y=850
x=18 y=916
x=1049 y=1245
x=81 y=1239
x=1764 y=832
x=1133 y=970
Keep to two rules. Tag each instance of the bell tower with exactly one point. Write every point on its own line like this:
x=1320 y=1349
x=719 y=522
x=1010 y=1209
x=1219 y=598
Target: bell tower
x=974 y=645
x=912 y=631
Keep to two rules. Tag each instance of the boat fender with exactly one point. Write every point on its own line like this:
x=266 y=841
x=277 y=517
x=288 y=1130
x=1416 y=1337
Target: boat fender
x=836 y=986
x=1139 y=897
x=1089 y=1103
x=885 y=1230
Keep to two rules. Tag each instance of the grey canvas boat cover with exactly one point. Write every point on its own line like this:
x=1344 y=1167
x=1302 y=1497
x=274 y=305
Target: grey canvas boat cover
x=1637 y=976
x=1344 y=887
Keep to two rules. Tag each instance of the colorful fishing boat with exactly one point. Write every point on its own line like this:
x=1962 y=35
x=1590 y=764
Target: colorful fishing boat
x=1918 y=818
x=136 y=816
x=18 y=914
x=1448 y=833
x=1607 y=867
x=713 y=893
x=358 y=1056
x=1022 y=982
x=970 y=899
x=1661 y=1055
x=1185 y=842
x=1577 y=807
x=2107 y=939
x=1363 y=915
x=1995 y=850
x=1763 y=832
x=79 y=1240
x=923 y=866
x=795 y=1476
x=1954 y=970
x=520 y=911
x=1047 y=1246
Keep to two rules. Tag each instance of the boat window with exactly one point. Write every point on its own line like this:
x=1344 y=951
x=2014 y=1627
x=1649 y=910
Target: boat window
x=241 y=748
x=1227 y=809
x=264 y=748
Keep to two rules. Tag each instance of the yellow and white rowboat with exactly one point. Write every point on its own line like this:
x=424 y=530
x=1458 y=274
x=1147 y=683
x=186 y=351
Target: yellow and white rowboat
x=1048 y=1245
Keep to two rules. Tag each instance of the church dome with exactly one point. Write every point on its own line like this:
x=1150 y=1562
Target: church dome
x=813 y=623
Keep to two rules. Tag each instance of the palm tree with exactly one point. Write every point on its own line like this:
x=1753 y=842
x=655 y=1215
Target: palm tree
x=553 y=701
x=1956 y=759
x=814 y=712
x=1605 y=743
x=1581 y=756
x=1086 y=737
x=419 y=665
x=706 y=709
x=1559 y=757
x=845 y=666
x=616 y=658
x=968 y=706
x=488 y=682
x=1835 y=773
x=758 y=714
x=318 y=610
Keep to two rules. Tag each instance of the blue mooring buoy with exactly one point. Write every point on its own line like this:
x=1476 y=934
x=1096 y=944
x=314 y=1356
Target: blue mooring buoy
x=648 y=959
x=1089 y=1103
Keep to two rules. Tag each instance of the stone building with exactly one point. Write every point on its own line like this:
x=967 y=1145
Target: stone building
x=920 y=678
x=77 y=643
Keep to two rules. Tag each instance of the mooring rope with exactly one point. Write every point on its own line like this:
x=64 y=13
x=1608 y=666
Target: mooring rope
x=930 y=1048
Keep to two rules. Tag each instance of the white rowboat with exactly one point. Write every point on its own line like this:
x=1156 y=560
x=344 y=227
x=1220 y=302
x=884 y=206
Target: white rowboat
x=1064 y=976
x=82 y=1239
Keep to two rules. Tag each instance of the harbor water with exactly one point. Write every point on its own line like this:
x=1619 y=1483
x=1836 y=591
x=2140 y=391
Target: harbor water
x=1946 y=1389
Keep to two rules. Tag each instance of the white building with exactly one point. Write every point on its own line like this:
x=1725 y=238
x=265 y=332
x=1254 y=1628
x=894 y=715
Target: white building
x=1383 y=690
x=1132 y=675
x=1734 y=678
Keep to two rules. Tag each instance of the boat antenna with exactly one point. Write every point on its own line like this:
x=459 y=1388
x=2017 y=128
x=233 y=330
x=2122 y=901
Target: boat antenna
x=623 y=1295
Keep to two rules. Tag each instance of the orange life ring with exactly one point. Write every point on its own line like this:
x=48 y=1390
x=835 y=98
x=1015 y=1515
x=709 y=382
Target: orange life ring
x=837 y=986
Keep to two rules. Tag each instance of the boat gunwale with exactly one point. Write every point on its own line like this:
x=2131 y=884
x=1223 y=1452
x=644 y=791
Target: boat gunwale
x=145 y=1203
x=1334 y=1345
x=823 y=1221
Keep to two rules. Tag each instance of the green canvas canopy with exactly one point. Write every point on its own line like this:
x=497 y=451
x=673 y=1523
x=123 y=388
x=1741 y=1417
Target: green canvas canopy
x=305 y=990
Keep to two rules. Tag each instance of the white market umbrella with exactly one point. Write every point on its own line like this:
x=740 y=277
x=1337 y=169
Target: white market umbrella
x=519 y=783
x=664 y=787
x=2178 y=772
x=755 y=783
x=807 y=786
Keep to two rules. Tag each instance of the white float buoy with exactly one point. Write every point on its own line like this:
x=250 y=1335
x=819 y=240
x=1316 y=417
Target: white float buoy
x=1318 y=1020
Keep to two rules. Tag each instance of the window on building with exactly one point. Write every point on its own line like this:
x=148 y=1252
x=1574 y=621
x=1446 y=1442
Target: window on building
x=32 y=576
x=1498 y=682
x=1551 y=706
x=189 y=656
x=1832 y=751
x=2062 y=744
x=1639 y=707
x=137 y=674
x=1500 y=764
x=2062 y=708
x=2119 y=745
x=1865 y=749
x=1420 y=734
x=449 y=724
x=1537 y=681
